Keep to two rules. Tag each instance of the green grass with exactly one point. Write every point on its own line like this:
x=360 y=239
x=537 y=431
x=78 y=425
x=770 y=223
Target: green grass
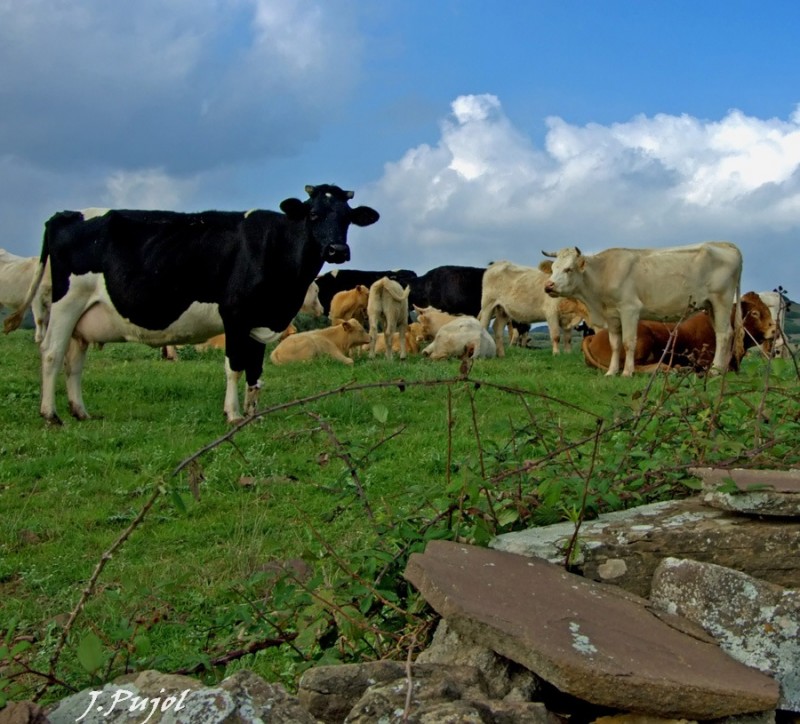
x=348 y=483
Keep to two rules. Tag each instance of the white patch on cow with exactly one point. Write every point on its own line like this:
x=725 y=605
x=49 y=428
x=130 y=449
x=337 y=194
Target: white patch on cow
x=93 y=212
x=264 y=335
x=334 y=272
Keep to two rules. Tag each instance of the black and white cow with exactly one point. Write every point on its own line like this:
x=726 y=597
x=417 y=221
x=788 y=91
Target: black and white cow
x=162 y=277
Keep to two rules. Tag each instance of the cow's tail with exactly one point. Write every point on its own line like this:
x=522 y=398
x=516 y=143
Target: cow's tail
x=392 y=290
x=14 y=319
x=738 y=325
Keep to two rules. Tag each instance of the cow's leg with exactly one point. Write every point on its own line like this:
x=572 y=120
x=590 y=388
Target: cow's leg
x=554 y=328
x=73 y=368
x=243 y=353
x=402 y=331
x=64 y=316
x=373 y=334
x=388 y=333
x=501 y=321
x=629 y=322
x=233 y=412
x=567 y=335
x=615 y=342
x=252 y=372
x=723 y=335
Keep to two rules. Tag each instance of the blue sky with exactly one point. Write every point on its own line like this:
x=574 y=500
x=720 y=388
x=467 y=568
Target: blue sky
x=480 y=130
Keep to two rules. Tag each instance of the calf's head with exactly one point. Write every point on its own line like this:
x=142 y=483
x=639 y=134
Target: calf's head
x=327 y=215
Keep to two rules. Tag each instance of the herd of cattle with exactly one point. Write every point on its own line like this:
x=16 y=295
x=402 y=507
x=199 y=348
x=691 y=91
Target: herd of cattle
x=169 y=278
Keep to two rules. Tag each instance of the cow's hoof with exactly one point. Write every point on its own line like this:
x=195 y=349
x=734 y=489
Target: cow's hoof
x=78 y=413
x=53 y=419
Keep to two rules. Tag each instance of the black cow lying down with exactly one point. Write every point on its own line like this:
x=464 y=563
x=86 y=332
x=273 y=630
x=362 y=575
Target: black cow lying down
x=163 y=277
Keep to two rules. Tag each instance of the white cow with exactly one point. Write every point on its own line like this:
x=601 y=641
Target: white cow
x=622 y=286
x=387 y=308
x=16 y=275
x=511 y=291
x=463 y=335
x=777 y=305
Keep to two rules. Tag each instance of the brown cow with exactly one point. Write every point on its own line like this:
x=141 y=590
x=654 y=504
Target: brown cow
x=350 y=304
x=690 y=343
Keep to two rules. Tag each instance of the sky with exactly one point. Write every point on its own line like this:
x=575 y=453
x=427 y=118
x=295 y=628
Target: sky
x=479 y=129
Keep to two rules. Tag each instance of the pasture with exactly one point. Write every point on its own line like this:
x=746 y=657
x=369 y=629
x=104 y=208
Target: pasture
x=281 y=544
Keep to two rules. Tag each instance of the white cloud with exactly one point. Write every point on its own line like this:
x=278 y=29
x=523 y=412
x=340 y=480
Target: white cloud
x=484 y=191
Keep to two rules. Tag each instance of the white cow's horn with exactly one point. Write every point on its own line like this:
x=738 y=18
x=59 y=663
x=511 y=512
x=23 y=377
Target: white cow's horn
x=550 y=253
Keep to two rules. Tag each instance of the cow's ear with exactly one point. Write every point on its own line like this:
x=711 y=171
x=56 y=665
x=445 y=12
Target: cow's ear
x=346 y=326
x=581 y=262
x=546 y=266
x=363 y=216
x=295 y=209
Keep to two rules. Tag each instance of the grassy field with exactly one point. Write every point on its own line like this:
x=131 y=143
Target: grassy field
x=336 y=490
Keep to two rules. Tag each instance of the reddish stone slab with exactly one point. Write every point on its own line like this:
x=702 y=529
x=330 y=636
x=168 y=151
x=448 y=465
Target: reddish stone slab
x=588 y=639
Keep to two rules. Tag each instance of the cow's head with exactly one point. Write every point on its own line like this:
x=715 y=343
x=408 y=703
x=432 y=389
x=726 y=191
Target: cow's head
x=564 y=272
x=759 y=326
x=328 y=214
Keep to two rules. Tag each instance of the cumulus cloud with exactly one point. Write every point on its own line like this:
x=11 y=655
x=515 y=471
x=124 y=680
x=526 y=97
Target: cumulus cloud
x=485 y=191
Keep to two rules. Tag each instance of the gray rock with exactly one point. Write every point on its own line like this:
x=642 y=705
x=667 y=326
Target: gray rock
x=755 y=622
x=439 y=694
x=757 y=492
x=624 y=548
x=505 y=679
x=590 y=640
x=242 y=698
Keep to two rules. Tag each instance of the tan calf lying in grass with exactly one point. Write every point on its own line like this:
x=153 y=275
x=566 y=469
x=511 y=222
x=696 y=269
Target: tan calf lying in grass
x=333 y=341
x=432 y=320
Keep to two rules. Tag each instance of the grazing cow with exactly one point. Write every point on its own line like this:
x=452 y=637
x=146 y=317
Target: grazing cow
x=689 y=343
x=463 y=335
x=514 y=292
x=16 y=275
x=387 y=308
x=350 y=304
x=340 y=280
x=431 y=320
x=335 y=341
x=622 y=286
x=778 y=305
x=169 y=278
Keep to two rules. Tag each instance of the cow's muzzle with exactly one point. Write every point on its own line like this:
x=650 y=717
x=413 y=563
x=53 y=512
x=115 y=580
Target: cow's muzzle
x=550 y=289
x=337 y=253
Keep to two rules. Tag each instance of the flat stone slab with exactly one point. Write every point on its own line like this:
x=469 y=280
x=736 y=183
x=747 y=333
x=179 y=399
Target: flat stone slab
x=624 y=548
x=755 y=622
x=590 y=640
x=758 y=492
